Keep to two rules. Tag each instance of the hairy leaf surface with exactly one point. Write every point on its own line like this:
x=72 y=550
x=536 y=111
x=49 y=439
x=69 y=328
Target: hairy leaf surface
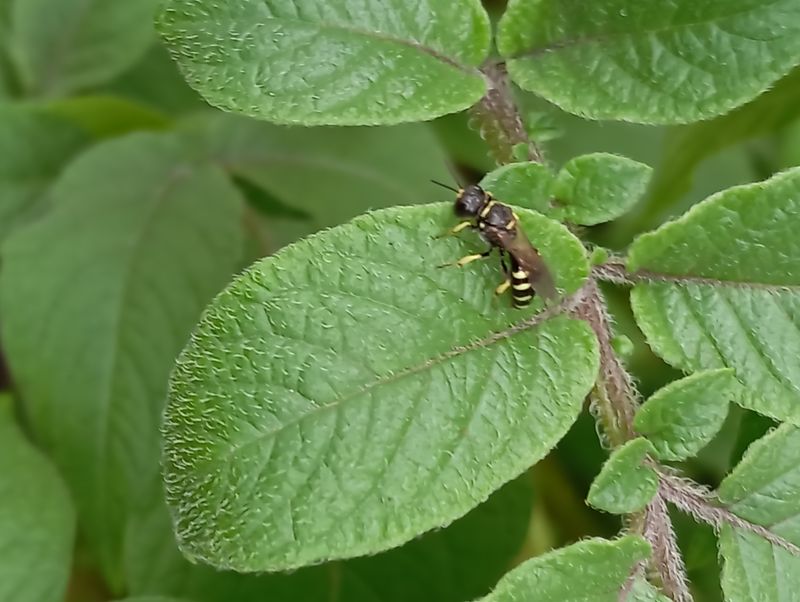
x=346 y=395
x=524 y=184
x=589 y=189
x=626 y=482
x=657 y=61
x=682 y=417
x=724 y=291
x=460 y=562
x=594 y=569
x=596 y=188
x=763 y=489
x=315 y=62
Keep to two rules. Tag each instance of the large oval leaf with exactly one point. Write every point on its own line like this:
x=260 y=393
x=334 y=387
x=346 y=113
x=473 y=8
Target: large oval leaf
x=650 y=61
x=100 y=297
x=345 y=395
x=723 y=290
x=331 y=63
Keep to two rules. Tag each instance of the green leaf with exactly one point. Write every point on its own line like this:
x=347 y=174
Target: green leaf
x=113 y=280
x=62 y=46
x=296 y=434
x=590 y=189
x=154 y=565
x=523 y=184
x=597 y=188
x=643 y=591
x=265 y=203
x=594 y=569
x=763 y=489
x=156 y=82
x=457 y=563
x=754 y=570
x=764 y=486
x=623 y=346
x=461 y=562
x=626 y=483
x=331 y=63
x=682 y=417
x=686 y=147
x=724 y=291
x=35 y=146
x=37 y=520
x=649 y=62
x=331 y=174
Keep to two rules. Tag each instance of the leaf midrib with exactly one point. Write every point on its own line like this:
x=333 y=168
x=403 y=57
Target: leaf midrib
x=487 y=341
x=172 y=178
x=570 y=43
x=653 y=277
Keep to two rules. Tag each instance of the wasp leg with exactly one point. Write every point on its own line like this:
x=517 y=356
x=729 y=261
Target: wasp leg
x=458 y=228
x=468 y=259
x=504 y=286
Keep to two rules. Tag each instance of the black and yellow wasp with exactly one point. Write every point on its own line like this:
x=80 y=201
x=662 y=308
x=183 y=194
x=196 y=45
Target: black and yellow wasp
x=526 y=273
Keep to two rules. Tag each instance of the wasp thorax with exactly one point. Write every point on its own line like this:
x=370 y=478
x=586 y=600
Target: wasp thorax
x=470 y=201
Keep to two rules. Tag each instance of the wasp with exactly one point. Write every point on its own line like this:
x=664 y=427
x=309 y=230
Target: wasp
x=526 y=272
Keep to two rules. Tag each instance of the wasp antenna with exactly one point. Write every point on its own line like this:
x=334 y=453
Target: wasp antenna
x=454 y=174
x=448 y=187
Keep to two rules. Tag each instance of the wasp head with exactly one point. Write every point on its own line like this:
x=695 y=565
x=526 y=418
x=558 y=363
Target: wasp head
x=470 y=201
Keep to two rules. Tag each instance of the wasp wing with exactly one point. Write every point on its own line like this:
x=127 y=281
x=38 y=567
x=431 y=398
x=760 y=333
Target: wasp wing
x=517 y=245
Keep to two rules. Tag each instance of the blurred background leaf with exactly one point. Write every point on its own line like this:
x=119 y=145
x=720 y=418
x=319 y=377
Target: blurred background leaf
x=37 y=519
x=63 y=46
x=103 y=311
x=35 y=146
x=325 y=175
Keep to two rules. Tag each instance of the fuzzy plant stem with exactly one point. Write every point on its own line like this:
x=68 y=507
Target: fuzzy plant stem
x=498 y=121
x=614 y=398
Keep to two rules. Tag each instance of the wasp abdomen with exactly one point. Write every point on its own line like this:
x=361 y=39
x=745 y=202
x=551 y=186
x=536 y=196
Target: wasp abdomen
x=521 y=289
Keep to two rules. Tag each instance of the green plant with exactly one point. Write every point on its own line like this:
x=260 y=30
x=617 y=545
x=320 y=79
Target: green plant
x=342 y=399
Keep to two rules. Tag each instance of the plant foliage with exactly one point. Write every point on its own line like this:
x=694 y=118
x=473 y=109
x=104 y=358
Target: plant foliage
x=238 y=363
